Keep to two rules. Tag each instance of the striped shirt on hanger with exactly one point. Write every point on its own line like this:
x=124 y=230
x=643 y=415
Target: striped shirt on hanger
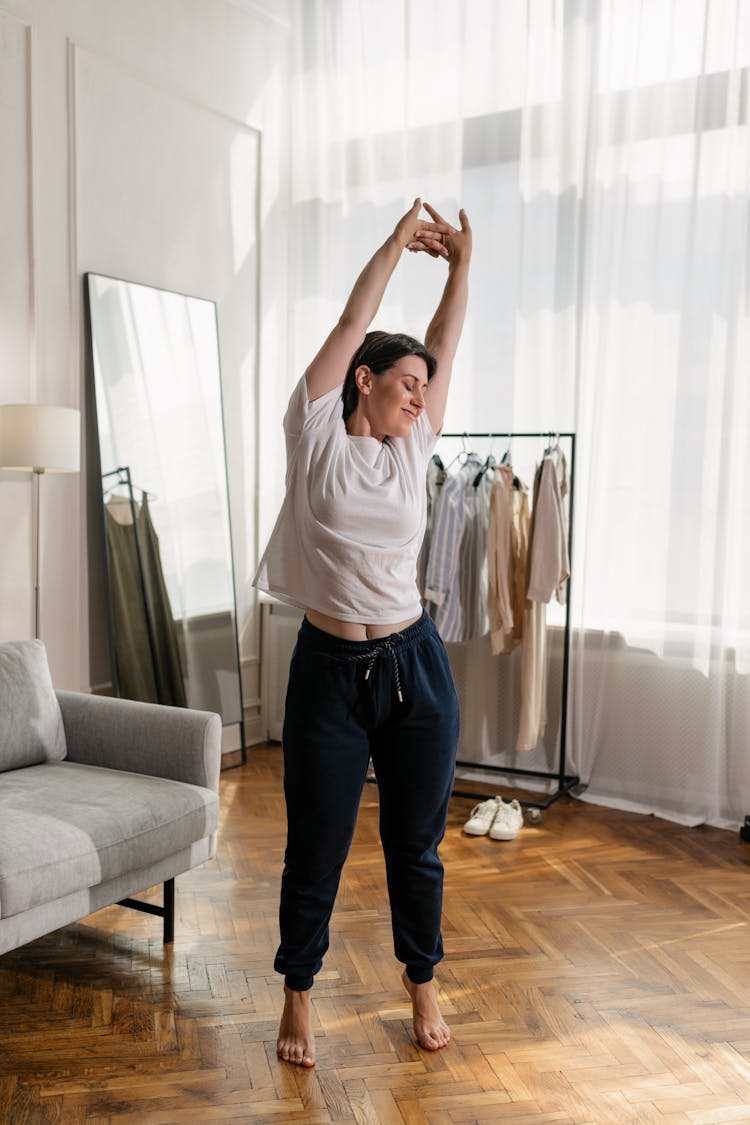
x=456 y=576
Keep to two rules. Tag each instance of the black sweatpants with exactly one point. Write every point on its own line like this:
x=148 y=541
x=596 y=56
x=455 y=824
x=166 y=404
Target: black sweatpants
x=394 y=700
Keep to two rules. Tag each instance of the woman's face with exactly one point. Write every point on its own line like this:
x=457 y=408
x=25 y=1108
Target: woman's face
x=393 y=401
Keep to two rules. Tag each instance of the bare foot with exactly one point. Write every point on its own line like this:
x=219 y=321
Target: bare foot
x=430 y=1028
x=296 y=1043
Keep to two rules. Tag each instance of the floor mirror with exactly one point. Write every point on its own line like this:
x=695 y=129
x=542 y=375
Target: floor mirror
x=169 y=572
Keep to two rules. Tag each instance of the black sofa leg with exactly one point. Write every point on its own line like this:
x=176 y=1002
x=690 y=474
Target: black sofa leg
x=169 y=911
x=166 y=911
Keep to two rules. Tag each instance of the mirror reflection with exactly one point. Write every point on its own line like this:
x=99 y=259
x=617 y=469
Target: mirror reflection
x=170 y=573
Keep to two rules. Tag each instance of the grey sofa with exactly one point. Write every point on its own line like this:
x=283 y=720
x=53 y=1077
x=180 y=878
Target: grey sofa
x=100 y=799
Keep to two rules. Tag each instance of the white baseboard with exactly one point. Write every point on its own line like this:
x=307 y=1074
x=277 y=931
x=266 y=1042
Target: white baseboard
x=254 y=732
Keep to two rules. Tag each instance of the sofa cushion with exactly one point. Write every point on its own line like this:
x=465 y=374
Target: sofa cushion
x=66 y=827
x=31 y=726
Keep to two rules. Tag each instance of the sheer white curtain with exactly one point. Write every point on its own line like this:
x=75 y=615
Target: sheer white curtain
x=600 y=148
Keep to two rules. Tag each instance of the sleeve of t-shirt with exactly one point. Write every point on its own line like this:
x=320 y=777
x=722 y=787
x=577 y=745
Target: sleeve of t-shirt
x=424 y=435
x=301 y=414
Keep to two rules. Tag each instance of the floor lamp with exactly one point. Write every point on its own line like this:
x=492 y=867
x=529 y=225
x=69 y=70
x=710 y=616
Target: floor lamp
x=39 y=439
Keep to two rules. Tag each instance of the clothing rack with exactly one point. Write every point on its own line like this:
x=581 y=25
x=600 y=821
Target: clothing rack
x=122 y=472
x=565 y=781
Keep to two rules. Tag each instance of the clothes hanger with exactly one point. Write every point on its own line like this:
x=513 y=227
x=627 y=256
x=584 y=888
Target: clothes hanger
x=464 y=453
x=145 y=494
x=488 y=466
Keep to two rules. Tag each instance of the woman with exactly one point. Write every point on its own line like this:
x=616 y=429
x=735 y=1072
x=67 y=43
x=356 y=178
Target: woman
x=369 y=676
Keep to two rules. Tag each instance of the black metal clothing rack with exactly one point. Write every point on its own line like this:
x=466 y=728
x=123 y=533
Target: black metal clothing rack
x=565 y=781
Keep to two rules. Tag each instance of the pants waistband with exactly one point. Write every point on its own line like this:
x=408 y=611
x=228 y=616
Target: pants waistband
x=316 y=639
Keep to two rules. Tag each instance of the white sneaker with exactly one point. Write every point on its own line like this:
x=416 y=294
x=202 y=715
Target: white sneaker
x=508 y=821
x=482 y=816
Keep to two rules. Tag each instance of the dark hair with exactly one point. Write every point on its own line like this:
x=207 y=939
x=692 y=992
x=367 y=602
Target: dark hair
x=380 y=351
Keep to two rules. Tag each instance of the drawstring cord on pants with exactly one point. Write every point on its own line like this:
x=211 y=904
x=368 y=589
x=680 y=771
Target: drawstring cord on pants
x=385 y=645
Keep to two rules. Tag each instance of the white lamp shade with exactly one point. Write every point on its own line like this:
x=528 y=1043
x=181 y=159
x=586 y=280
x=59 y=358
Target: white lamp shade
x=44 y=438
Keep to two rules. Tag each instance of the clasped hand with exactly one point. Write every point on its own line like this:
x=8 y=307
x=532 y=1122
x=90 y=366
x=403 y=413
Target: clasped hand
x=437 y=238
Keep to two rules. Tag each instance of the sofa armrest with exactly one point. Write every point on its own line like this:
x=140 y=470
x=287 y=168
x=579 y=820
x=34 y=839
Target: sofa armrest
x=148 y=738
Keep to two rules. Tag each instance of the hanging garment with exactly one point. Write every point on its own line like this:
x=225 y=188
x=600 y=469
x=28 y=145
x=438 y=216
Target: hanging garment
x=436 y=476
x=507 y=549
x=472 y=562
x=548 y=569
x=453 y=580
x=532 y=722
x=146 y=652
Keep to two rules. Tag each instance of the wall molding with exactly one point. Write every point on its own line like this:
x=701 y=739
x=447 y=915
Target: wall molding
x=258 y=8
x=148 y=79
x=31 y=213
x=254 y=730
x=23 y=20
x=76 y=344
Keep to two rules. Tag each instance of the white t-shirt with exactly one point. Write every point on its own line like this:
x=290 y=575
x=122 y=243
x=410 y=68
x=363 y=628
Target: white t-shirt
x=349 y=531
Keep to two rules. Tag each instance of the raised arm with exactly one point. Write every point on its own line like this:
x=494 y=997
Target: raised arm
x=444 y=330
x=328 y=369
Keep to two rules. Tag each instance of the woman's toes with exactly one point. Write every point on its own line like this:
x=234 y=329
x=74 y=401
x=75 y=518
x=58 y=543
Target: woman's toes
x=295 y=1054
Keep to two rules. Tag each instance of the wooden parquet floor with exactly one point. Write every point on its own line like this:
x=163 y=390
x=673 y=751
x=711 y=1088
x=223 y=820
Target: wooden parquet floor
x=597 y=970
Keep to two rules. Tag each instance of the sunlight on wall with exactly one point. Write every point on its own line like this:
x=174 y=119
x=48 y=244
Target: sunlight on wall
x=243 y=170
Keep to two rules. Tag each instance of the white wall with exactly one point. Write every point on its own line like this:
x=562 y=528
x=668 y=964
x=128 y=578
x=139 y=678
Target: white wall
x=146 y=141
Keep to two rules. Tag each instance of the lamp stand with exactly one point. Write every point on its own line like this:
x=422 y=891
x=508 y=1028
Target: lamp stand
x=36 y=500
x=39 y=439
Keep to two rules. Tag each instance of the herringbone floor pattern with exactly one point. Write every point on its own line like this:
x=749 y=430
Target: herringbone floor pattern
x=597 y=970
